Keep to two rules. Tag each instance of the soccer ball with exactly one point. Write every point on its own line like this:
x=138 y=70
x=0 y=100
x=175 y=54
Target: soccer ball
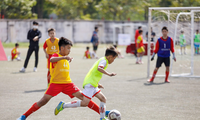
x=114 y=115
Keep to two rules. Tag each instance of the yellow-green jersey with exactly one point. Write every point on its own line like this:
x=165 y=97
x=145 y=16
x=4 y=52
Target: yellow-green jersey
x=182 y=39
x=94 y=76
x=197 y=38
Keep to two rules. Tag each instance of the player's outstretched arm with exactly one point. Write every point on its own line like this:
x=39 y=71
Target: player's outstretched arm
x=105 y=72
x=56 y=59
x=100 y=86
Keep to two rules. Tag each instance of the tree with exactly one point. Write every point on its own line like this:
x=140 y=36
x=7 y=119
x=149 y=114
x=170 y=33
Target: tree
x=121 y=9
x=17 y=9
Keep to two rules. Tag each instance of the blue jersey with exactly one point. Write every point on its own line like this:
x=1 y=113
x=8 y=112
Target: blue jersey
x=164 y=47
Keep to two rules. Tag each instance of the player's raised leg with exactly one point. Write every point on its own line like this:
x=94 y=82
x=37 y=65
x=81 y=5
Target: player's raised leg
x=36 y=106
x=83 y=102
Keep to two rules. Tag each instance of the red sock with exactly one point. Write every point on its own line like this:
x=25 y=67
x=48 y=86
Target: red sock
x=154 y=74
x=167 y=74
x=92 y=105
x=48 y=78
x=33 y=108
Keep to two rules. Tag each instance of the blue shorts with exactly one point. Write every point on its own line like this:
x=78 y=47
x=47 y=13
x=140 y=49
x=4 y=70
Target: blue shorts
x=196 y=45
x=183 y=45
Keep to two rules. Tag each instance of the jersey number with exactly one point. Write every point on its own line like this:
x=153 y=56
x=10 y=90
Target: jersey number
x=53 y=47
x=65 y=65
x=164 y=45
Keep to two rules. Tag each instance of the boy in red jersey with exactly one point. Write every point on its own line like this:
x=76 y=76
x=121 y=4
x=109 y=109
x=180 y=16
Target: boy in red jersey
x=14 y=53
x=136 y=36
x=87 y=54
x=50 y=47
x=60 y=80
x=163 y=47
x=140 y=48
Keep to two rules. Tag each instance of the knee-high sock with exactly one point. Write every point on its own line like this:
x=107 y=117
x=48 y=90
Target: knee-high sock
x=154 y=74
x=166 y=75
x=92 y=105
x=48 y=78
x=72 y=104
x=33 y=108
x=102 y=109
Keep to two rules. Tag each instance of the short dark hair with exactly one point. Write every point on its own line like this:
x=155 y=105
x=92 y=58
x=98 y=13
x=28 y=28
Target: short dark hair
x=197 y=30
x=16 y=44
x=139 y=27
x=182 y=31
x=95 y=28
x=164 y=28
x=111 y=51
x=87 y=48
x=51 y=29
x=64 y=41
x=35 y=23
x=115 y=46
x=140 y=31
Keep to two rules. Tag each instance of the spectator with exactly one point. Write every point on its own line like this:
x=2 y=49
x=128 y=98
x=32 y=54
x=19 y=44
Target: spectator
x=33 y=36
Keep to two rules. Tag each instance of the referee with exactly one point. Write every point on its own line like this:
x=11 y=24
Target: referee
x=33 y=36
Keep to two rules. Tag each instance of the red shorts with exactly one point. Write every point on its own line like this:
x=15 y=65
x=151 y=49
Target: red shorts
x=68 y=89
x=48 y=61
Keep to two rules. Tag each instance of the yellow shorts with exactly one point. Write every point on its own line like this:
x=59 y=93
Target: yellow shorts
x=140 y=50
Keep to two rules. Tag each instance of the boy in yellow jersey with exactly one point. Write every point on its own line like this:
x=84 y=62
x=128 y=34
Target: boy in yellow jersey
x=140 y=48
x=91 y=83
x=14 y=53
x=50 y=47
x=60 y=80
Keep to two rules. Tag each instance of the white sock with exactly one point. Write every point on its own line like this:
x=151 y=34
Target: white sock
x=102 y=109
x=141 y=58
x=72 y=104
x=137 y=58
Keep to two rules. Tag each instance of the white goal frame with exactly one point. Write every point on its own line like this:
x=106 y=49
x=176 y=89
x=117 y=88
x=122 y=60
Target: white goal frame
x=191 y=13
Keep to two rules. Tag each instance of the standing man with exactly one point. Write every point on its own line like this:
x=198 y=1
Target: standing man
x=95 y=40
x=196 y=42
x=153 y=34
x=33 y=36
x=136 y=36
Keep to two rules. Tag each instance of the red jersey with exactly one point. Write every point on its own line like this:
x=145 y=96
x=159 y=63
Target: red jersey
x=87 y=54
x=136 y=36
x=14 y=53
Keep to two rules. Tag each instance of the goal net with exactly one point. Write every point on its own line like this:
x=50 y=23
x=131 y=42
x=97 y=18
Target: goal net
x=177 y=19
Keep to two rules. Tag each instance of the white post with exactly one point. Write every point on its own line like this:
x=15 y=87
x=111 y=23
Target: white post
x=114 y=34
x=149 y=44
x=168 y=18
x=192 y=42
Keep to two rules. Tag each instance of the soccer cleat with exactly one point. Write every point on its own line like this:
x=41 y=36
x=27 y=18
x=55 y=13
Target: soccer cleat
x=34 y=69
x=103 y=119
x=22 y=70
x=137 y=62
x=140 y=62
x=23 y=117
x=150 y=80
x=167 y=81
x=106 y=113
x=59 y=108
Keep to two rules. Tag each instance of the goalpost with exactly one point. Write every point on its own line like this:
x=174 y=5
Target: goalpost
x=170 y=17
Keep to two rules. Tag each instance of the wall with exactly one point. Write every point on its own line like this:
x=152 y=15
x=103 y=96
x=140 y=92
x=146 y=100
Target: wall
x=77 y=31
